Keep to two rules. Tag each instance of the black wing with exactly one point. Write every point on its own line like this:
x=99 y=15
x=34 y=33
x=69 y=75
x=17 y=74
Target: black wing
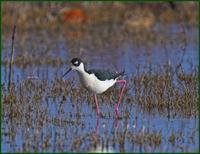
x=105 y=74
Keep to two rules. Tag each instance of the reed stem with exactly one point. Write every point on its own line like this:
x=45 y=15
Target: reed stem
x=11 y=59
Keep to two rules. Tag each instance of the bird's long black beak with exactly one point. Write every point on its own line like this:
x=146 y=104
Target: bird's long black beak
x=66 y=72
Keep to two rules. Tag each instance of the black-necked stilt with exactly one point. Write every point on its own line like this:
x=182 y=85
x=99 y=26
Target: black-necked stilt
x=97 y=81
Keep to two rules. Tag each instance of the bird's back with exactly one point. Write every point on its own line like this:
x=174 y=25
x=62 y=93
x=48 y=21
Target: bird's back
x=105 y=74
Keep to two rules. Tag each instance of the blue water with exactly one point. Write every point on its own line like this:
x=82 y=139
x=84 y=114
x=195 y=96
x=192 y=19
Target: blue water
x=138 y=123
x=126 y=57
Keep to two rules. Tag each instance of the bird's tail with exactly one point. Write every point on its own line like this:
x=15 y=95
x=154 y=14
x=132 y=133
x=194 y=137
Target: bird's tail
x=122 y=73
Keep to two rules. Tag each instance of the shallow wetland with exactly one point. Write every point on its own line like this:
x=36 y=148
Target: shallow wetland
x=158 y=48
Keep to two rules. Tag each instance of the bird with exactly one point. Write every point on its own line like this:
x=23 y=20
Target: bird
x=97 y=81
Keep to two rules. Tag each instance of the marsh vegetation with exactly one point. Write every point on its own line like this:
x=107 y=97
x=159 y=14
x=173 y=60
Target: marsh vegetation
x=157 y=46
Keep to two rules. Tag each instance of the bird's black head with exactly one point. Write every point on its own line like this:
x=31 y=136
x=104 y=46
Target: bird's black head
x=76 y=62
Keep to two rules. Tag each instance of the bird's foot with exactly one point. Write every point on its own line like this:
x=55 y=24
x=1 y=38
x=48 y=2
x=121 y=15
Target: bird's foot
x=117 y=111
x=98 y=113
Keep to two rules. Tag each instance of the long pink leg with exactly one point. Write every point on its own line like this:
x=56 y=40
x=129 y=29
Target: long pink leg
x=97 y=126
x=120 y=97
x=97 y=106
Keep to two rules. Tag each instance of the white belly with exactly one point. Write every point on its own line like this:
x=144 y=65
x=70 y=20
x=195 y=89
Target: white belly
x=92 y=83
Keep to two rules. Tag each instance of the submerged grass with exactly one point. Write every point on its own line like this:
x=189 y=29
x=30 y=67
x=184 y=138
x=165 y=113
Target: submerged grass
x=43 y=115
x=154 y=92
x=27 y=106
x=172 y=93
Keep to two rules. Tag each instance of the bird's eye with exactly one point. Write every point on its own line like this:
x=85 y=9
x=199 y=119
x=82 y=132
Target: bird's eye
x=76 y=62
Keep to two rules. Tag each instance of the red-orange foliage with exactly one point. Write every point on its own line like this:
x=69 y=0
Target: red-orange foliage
x=73 y=16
